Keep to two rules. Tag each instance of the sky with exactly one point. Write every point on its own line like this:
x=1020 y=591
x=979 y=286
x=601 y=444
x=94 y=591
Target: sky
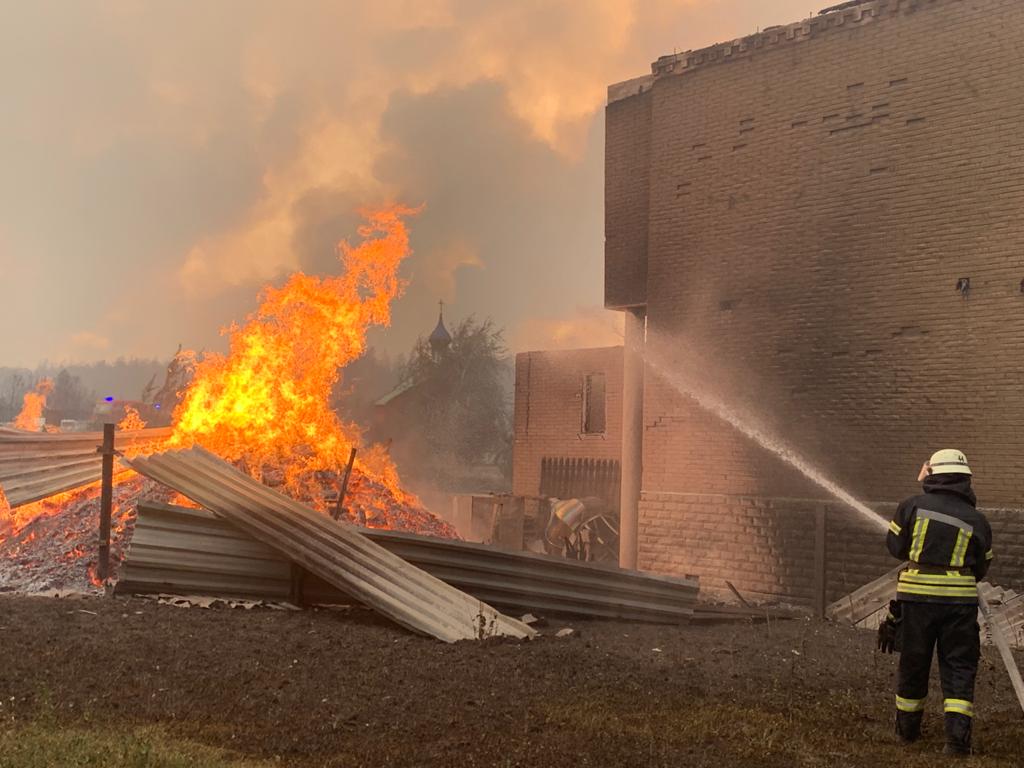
x=161 y=162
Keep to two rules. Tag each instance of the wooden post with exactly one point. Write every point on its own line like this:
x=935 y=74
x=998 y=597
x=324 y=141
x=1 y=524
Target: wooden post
x=338 y=508
x=106 y=501
x=820 y=561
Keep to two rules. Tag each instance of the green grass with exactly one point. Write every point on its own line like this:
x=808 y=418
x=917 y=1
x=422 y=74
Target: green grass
x=44 y=745
x=800 y=736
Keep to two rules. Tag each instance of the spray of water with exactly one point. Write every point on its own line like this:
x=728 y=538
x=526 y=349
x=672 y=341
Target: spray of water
x=688 y=387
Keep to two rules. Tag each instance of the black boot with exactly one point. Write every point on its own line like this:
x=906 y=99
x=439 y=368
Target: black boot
x=908 y=726
x=958 y=734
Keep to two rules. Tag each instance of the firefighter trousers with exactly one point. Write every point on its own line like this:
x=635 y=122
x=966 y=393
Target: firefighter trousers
x=954 y=629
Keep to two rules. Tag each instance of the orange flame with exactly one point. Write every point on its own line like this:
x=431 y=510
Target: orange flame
x=16 y=519
x=266 y=404
x=32 y=407
x=131 y=420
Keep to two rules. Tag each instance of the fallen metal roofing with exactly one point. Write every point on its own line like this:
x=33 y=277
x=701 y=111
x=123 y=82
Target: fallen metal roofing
x=865 y=601
x=868 y=606
x=1007 y=610
x=37 y=465
x=338 y=554
x=189 y=551
x=193 y=552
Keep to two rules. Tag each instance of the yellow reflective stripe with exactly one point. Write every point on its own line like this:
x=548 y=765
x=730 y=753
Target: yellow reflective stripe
x=963 y=538
x=960 y=706
x=920 y=531
x=909 y=705
x=939 y=579
x=895 y=528
x=989 y=555
x=922 y=589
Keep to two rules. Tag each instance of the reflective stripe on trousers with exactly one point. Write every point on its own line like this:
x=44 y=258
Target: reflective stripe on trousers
x=959 y=706
x=909 y=705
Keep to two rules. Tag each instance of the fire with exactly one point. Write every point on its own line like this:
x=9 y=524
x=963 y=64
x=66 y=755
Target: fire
x=32 y=407
x=131 y=420
x=265 y=406
x=18 y=518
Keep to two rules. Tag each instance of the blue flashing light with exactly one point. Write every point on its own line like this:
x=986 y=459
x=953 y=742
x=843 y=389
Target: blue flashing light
x=108 y=399
x=157 y=406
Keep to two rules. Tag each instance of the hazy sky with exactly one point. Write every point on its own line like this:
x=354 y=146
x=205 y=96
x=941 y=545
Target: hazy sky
x=161 y=161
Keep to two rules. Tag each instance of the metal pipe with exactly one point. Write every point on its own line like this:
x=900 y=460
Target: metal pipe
x=106 y=451
x=632 y=437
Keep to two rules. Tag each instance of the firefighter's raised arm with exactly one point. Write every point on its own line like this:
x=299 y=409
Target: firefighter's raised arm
x=898 y=538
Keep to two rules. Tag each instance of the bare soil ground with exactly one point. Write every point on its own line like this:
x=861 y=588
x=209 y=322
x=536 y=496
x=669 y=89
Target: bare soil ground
x=327 y=688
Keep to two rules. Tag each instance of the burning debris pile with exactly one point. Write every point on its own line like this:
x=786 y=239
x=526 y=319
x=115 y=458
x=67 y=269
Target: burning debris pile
x=52 y=544
x=264 y=407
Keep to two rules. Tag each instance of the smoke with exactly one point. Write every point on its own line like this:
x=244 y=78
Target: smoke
x=578 y=328
x=164 y=160
x=89 y=340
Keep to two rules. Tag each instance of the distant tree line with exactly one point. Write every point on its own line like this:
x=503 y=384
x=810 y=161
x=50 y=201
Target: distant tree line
x=77 y=387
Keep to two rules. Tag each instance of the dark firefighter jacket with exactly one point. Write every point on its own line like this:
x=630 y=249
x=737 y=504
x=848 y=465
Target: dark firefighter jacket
x=946 y=540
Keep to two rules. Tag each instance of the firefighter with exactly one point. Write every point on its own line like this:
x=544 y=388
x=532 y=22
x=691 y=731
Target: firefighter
x=948 y=545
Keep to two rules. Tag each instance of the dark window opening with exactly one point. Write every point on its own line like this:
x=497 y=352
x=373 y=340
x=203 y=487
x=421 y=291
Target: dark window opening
x=593 y=404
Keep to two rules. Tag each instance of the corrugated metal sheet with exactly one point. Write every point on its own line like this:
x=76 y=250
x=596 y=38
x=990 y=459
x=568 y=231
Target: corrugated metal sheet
x=866 y=600
x=193 y=552
x=35 y=466
x=336 y=553
x=868 y=606
x=524 y=581
x=190 y=551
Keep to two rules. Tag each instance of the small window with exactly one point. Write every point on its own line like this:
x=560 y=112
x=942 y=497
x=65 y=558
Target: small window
x=593 y=404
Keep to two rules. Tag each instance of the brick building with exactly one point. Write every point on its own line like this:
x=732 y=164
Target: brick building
x=568 y=406
x=819 y=224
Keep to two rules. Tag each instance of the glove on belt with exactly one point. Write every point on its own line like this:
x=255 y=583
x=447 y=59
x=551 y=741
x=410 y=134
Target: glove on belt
x=888 y=629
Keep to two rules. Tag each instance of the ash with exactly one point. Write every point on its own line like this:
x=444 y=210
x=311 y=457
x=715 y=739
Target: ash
x=58 y=548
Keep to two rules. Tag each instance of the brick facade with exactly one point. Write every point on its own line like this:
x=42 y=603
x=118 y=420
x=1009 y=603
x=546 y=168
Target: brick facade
x=804 y=206
x=627 y=184
x=549 y=411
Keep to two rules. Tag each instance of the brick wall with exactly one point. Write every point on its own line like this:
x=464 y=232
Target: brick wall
x=627 y=181
x=549 y=410
x=813 y=195
x=765 y=547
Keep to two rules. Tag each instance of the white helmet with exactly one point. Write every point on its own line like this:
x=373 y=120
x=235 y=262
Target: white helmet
x=949 y=461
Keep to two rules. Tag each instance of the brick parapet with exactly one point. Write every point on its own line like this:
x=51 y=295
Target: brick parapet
x=842 y=21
